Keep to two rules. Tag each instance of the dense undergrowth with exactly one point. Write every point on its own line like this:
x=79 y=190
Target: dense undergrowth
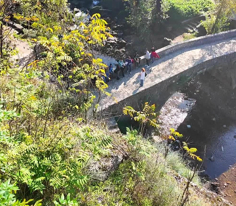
x=50 y=152
x=48 y=157
x=63 y=161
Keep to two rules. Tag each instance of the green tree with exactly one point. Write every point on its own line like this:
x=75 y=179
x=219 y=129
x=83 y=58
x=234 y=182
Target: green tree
x=66 y=54
x=5 y=7
x=217 y=19
x=144 y=14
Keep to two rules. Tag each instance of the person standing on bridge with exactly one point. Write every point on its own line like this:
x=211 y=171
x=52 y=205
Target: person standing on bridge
x=154 y=55
x=147 y=57
x=142 y=76
x=136 y=60
x=122 y=67
x=128 y=62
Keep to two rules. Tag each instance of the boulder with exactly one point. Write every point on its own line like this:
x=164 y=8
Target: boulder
x=166 y=41
x=121 y=43
x=100 y=170
x=112 y=40
x=201 y=31
x=115 y=47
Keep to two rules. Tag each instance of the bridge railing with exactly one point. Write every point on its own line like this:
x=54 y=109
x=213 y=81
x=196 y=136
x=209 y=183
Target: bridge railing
x=192 y=43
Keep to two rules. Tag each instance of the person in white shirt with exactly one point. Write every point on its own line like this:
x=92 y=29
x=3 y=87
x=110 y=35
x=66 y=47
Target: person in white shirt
x=147 y=57
x=142 y=76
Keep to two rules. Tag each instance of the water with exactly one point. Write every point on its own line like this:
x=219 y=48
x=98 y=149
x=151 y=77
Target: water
x=211 y=131
x=95 y=3
x=213 y=123
x=204 y=111
x=223 y=151
x=214 y=140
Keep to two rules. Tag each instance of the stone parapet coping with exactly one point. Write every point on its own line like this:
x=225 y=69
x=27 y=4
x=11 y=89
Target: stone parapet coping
x=192 y=43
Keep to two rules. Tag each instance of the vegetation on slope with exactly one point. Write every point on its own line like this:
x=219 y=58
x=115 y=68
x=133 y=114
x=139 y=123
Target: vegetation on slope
x=58 y=161
x=186 y=8
x=50 y=154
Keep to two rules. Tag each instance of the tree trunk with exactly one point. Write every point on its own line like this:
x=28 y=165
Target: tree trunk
x=217 y=20
x=158 y=5
x=1 y=39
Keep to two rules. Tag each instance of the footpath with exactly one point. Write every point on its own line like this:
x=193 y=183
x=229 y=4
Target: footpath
x=164 y=68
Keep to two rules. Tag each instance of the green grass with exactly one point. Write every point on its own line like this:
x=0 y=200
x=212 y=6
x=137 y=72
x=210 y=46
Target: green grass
x=188 y=36
x=188 y=8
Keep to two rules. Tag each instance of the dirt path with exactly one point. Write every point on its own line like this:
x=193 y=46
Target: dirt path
x=227 y=184
x=25 y=52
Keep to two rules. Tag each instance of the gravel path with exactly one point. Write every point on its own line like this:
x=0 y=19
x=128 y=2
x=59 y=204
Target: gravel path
x=25 y=53
x=165 y=68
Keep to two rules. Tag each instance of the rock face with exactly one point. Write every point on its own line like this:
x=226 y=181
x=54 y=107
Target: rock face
x=101 y=170
x=115 y=47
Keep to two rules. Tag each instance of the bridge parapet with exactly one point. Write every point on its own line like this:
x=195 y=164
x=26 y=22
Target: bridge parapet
x=222 y=68
x=192 y=43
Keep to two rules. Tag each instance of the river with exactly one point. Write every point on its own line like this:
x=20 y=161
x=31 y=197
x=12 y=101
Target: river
x=203 y=128
x=209 y=121
x=204 y=111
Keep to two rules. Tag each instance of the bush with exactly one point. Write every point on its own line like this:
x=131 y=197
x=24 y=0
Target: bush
x=145 y=178
x=181 y=9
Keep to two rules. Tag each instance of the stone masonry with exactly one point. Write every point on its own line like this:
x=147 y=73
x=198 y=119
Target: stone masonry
x=178 y=64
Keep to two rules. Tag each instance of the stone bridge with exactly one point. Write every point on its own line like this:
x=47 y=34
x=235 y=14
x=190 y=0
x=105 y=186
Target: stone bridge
x=178 y=64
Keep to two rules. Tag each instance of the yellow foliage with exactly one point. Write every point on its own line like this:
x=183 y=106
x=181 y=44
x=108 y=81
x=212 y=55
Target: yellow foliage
x=171 y=138
x=50 y=29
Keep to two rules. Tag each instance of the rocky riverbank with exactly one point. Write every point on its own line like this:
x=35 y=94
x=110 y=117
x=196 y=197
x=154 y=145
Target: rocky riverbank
x=226 y=184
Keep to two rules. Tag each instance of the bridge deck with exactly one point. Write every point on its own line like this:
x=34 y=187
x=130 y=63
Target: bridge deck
x=165 y=68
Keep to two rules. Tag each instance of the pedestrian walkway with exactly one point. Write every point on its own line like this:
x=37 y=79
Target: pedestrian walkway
x=166 y=67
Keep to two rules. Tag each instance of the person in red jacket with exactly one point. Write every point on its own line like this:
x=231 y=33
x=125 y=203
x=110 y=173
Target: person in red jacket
x=154 y=55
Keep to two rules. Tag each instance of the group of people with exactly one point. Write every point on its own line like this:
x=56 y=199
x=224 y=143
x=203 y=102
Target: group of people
x=151 y=56
x=114 y=71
